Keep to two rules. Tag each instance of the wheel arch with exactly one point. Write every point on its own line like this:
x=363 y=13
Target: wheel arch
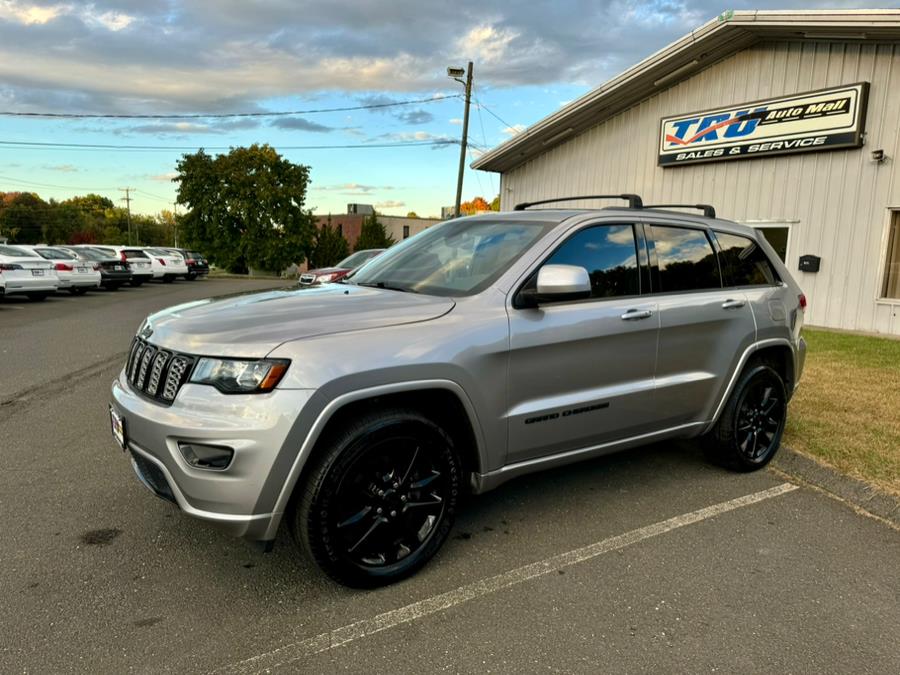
x=443 y=401
x=775 y=352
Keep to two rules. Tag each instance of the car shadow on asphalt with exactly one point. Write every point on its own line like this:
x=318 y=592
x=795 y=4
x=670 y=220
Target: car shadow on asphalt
x=521 y=521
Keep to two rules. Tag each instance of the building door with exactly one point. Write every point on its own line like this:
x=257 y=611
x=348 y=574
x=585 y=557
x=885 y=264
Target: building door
x=778 y=235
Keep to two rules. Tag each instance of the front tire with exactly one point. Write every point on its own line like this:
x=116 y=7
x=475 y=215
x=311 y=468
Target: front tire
x=380 y=500
x=78 y=290
x=37 y=297
x=748 y=432
x=136 y=282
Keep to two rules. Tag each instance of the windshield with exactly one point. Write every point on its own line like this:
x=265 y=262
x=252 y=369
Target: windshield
x=354 y=260
x=55 y=254
x=15 y=252
x=458 y=257
x=92 y=254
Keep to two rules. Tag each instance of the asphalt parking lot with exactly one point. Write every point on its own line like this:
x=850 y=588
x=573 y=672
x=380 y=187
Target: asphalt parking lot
x=646 y=561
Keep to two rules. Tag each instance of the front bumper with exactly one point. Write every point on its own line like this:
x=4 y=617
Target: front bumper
x=255 y=426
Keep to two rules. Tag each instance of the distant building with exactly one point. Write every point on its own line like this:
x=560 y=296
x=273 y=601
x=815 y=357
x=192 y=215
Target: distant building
x=360 y=209
x=350 y=226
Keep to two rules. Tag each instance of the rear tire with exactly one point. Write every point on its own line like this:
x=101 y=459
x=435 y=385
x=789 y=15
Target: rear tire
x=168 y=279
x=136 y=282
x=380 y=499
x=190 y=277
x=37 y=297
x=78 y=290
x=748 y=432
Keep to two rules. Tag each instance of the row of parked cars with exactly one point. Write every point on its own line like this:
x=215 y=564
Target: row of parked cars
x=38 y=271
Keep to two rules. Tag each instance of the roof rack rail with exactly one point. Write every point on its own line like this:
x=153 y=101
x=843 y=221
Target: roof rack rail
x=634 y=201
x=708 y=210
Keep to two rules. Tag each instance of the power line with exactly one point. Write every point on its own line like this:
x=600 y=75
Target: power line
x=185 y=116
x=154 y=196
x=491 y=112
x=51 y=185
x=35 y=145
x=484 y=138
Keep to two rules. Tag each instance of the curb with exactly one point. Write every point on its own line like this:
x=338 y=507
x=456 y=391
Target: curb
x=852 y=490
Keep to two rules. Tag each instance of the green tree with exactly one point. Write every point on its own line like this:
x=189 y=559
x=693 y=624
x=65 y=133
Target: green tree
x=373 y=235
x=495 y=203
x=22 y=218
x=245 y=208
x=330 y=247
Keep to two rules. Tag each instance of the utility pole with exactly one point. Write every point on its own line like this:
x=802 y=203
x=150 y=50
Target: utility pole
x=465 y=137
x=127 y=200
x=175 y=221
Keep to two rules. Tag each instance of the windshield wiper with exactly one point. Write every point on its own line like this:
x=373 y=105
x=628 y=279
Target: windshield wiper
x=387 y=287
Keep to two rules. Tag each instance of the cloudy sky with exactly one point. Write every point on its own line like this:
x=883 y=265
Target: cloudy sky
x=230 y=56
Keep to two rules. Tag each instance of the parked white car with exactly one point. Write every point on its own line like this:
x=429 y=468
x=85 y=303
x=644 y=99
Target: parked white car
x=26 y=273
x=75 y=276
x=138 y=262
x=166 y=264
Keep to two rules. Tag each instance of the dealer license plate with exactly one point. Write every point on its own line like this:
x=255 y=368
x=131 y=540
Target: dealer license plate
x=37 y=273
x=117 y=423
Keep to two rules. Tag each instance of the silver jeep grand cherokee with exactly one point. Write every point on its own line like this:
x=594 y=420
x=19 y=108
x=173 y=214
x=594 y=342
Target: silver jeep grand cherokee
x=481 y=349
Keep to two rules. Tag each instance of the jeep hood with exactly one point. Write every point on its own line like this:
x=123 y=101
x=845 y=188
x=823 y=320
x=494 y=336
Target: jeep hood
x=253 y=325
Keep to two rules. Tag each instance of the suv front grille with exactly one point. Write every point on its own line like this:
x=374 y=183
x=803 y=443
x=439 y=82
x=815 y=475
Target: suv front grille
x=157 y=373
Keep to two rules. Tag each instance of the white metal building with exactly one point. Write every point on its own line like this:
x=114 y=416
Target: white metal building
x=788 y=121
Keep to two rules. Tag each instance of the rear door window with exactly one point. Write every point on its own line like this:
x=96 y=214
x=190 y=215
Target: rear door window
x=744 y=263
x=134 y=254
x=608 y=253
x=686 y=259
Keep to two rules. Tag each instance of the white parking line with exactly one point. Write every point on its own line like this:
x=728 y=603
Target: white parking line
x=417 y=610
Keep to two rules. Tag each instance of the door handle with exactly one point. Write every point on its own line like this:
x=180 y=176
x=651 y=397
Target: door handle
x=636 y=314
x=733 y=304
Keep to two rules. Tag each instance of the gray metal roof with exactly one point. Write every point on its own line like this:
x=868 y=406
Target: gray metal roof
x=697 y=50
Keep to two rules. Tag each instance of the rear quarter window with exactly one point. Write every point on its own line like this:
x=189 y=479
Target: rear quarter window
x=744 y=263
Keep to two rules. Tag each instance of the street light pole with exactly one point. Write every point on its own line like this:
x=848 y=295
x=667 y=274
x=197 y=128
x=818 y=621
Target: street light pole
x=465 y=137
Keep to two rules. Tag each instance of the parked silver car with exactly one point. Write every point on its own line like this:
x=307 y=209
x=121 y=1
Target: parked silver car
x=482 y=349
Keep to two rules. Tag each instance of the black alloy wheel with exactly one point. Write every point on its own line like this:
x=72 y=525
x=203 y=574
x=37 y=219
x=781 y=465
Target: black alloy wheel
x=382 y=499
x=760 y=418
x=748 y=432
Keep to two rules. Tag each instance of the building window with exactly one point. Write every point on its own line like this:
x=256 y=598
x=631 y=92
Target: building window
x=891 y=287
x=340 y=229
x=406 y=231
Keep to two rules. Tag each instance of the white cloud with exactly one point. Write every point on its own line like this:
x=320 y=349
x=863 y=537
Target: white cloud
x=514 y=130
x=487 y=44
x=164 y=177
x=114 y=21
x=456 y=120
x=65 y=168
x=390 y=204
x=29 y=14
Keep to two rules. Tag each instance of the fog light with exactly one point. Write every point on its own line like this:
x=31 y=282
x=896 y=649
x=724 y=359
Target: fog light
x=206 y=456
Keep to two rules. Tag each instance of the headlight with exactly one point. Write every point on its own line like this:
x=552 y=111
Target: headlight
x=234 y=376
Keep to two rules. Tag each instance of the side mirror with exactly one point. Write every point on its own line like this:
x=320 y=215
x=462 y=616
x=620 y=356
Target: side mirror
x=557 y=283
